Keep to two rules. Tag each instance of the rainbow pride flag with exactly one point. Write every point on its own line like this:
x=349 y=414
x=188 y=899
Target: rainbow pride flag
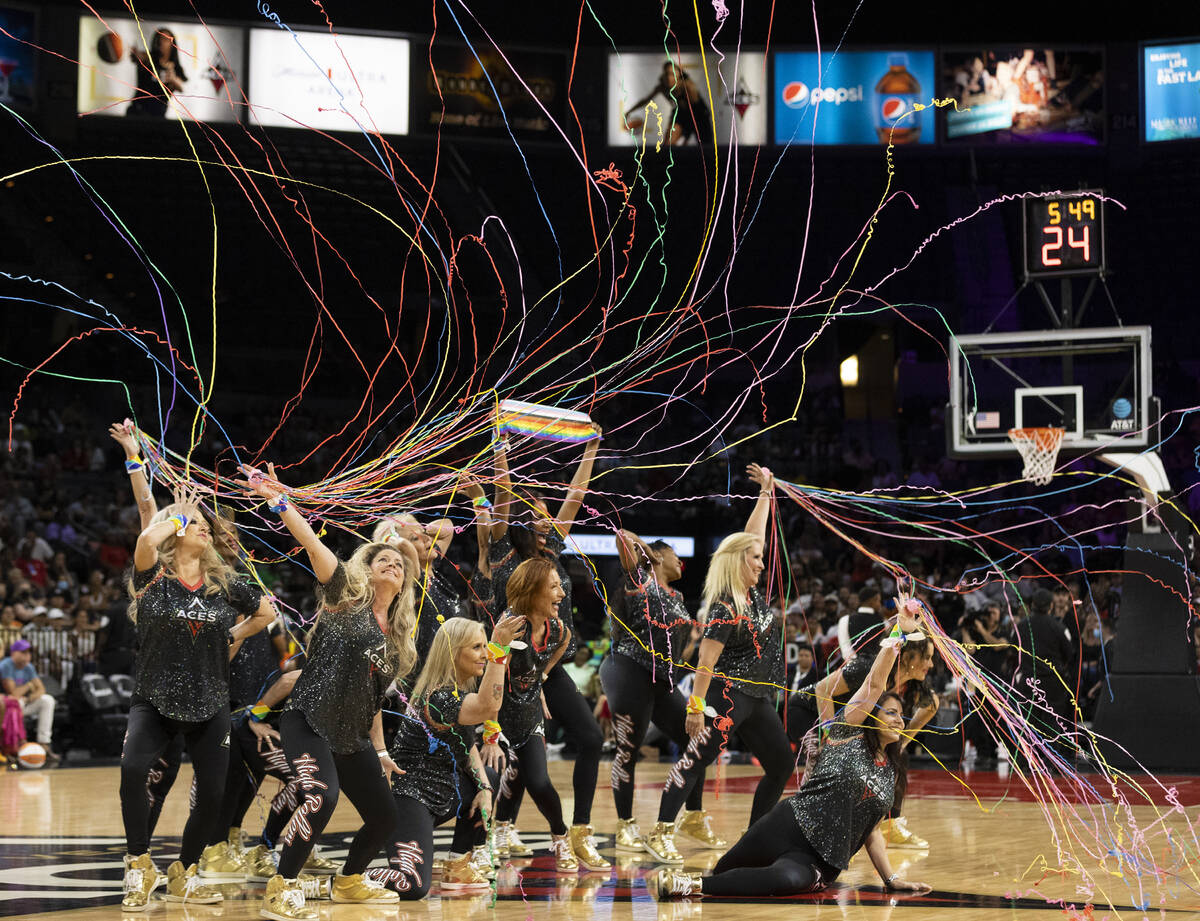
x=546 y=422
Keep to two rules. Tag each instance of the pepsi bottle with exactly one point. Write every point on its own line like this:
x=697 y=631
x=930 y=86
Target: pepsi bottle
x=895 y=95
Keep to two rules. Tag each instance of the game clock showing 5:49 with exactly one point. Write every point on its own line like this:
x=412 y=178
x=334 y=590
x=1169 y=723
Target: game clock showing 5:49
x=1064 y=234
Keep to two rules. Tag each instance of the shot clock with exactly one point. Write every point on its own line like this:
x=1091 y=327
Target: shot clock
x=1064 y=235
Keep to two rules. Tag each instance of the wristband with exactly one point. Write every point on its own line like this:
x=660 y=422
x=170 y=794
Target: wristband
x=491 y=732
x=481 y=502
x=279 y=504
x=381 y=752
x=695 y=705
x=498 y=654
x=134 y=465
x=180 y=522
x=259 y=712
x=891 y=879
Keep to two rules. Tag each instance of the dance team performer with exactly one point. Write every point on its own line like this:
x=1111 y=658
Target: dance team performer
x=740 y=669
x=332 y=729
x=436 y=742
x=804 y=842
x=523 y=530
x=651 y=630
x=186 y=604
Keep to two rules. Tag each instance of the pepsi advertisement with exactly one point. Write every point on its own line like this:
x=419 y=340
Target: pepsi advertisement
x=1171 y=91
x=854 y=97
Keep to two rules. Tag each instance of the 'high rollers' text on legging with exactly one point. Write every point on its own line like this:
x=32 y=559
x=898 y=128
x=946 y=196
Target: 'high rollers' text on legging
x=527 y=767
x=773 y=858
x=161 y=779
x=148 y=737
x=410 y=852
x=636 y=700
x=321 y=776
x=755 y=720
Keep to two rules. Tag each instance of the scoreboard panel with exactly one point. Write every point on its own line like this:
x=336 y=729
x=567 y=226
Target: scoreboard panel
x=1064 y=235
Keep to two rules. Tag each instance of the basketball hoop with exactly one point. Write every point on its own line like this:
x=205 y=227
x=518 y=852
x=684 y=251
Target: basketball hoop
x=1039 y=449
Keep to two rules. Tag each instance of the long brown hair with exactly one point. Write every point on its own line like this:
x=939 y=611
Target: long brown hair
x=893 y=751
x=527 y=580
x=401 y=615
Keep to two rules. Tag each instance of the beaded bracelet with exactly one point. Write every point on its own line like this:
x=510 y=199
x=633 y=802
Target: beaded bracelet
x=498 y=654
x=279 y=504
x=180 y=522
x=491 y=732
x=695 y=705
x=134 y=465
x=259 y=712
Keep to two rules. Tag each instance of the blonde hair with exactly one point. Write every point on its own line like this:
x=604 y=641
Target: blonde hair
x=439 y=671
x=401 y=615
x=215 y=571
x=725 y=577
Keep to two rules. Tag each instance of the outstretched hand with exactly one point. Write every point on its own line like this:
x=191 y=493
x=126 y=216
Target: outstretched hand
x=508 y=628
x=122 y=434
x=762 y=476
x=187 y=499
x=256 y=483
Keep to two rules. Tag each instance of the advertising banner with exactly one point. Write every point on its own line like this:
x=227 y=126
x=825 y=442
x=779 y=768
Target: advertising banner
x=854 y=97
x=1171 y=91
x=158 y=69
x=1014 y=95
x=330 y=82
x=656 y=101
x=484 y=96
x=17 y=57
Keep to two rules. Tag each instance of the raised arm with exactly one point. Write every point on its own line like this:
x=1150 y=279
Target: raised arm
x=861 y=707
x=246 y=628
x=135 y=466
x=483 y=521
x=505 y=497
x=579 y=485
x=824 y=693
x=322 y=559
x=484 y=704
x=186 y=508
x=631 y=550
x=756 y=524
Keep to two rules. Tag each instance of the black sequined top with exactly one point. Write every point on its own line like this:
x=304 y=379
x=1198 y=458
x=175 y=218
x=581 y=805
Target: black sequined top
x=182 y=663
x=480 y=601
x=753 y=653
x=521 y=711
x=650 y=625
x=346 y=672
x=250 y=670
x=847 y=793
x=431 y=747
x=434 y=598
x=504 y=559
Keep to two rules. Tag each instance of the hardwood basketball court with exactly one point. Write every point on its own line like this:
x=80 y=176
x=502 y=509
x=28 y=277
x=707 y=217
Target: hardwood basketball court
x=61 y=843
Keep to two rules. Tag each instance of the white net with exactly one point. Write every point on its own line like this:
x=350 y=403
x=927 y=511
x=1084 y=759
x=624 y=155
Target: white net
x=1039 y=449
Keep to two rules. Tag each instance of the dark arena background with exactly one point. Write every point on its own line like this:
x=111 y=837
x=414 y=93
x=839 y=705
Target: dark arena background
x=933 y=266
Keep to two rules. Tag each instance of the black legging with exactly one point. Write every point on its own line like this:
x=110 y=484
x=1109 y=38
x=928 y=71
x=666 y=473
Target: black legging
x=162 y=778
x=636 y=700
x=410 y=853
x=570 y=710
x=772 y=858
x=757 y=724
x=470 y=831
x=321 y=775
x=247 y=768
x=527 y=770
x=148 y=736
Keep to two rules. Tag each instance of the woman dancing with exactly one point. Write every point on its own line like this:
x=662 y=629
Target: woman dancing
x=435 y=742
x=331 y=729
x=740 y=670
x=533 y=535
x=186 y=603
x=651 y=627
x=804 y=842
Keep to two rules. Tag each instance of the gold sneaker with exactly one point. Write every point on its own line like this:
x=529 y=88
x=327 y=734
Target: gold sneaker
x=673 y=884
x=629 y=837
x=284 y=901
x=696 y=824
x=184 y=886
x=141 y=876
x=315 y=888
x=583 y=846
x=259 y=864
x=660 y=843
x=362 y=890
x=481 y=857
x=316 y=865
x=218 y=865
x=896 y=834
x=564 y=857
x=461 y=874
x=236 y=843
x=509 y=843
